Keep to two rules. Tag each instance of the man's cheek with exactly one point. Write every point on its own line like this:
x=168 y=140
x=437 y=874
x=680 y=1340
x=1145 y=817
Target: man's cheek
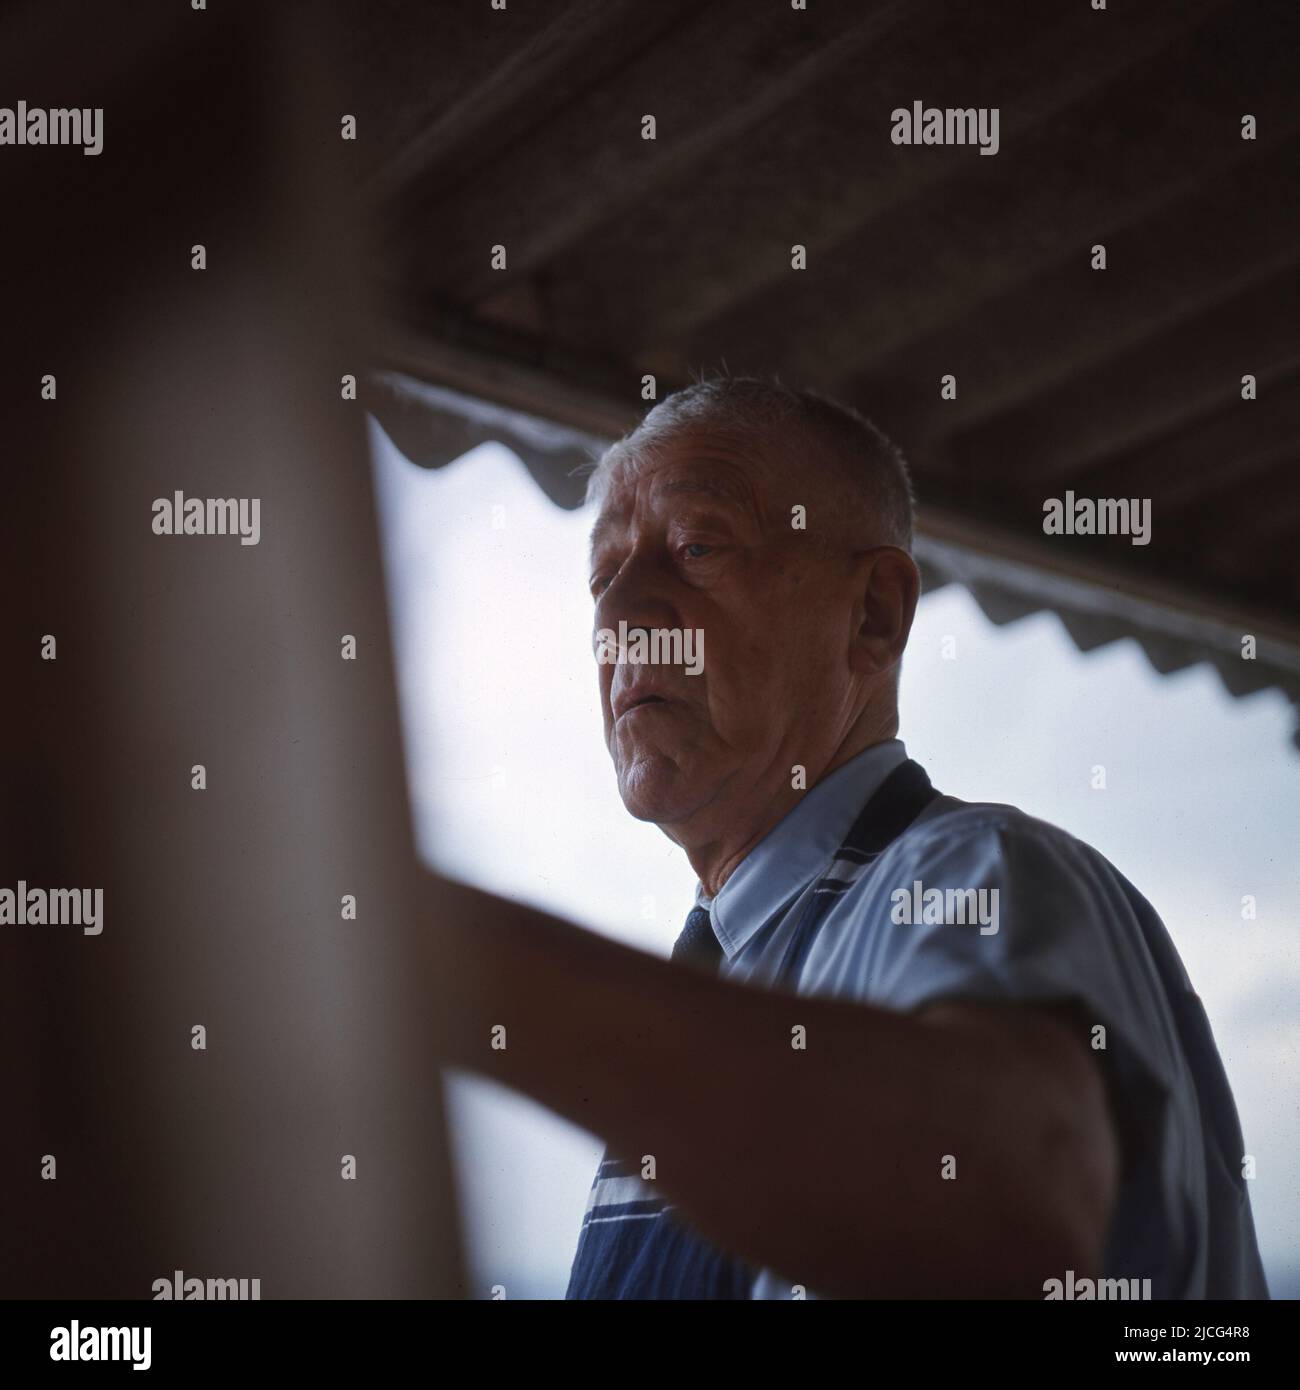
x=745 y=667
x=605 y=684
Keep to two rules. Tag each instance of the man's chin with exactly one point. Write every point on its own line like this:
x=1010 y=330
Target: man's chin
x=654 y=789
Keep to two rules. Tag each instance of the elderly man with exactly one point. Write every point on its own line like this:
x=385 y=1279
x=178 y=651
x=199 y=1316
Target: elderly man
x=907 y=1045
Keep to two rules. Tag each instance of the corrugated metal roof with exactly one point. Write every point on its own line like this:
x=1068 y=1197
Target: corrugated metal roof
x=523 y=128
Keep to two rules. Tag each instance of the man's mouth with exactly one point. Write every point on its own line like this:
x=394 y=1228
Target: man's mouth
x=637 y=702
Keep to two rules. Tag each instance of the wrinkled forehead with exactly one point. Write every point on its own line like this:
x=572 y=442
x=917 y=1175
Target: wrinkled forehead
x=742 y=475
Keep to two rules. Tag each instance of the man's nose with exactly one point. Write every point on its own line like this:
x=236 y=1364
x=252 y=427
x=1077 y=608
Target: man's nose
x=639 y=595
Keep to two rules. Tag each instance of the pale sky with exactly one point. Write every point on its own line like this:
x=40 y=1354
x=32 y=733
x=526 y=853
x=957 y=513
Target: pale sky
x=512 y=790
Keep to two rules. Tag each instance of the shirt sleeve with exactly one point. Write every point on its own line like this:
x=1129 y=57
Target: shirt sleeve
x=1057 y=925
x=1052 y=922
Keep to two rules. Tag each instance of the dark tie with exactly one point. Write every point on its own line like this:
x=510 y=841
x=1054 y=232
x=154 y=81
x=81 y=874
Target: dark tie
x=697 y=944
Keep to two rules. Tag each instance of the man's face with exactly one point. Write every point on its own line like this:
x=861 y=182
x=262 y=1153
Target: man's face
x=701 y=537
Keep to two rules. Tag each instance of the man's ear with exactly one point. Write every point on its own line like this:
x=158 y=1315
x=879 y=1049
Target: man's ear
x=888 y=585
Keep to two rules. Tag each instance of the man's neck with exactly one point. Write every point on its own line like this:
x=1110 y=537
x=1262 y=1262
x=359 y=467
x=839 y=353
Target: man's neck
x=715 y=857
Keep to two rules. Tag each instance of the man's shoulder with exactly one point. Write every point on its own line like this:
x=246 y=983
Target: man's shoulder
x=950 y=820
x=968 y=836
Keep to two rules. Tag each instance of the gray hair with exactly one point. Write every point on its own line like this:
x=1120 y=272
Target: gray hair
x=871 y=469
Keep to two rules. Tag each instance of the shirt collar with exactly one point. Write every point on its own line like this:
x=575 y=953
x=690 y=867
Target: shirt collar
x=798 y=848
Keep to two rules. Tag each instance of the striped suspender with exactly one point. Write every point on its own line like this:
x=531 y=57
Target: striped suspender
x=897 y=802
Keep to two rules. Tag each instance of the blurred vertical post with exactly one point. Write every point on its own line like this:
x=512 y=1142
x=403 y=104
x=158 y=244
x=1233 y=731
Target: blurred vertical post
x=223 y=906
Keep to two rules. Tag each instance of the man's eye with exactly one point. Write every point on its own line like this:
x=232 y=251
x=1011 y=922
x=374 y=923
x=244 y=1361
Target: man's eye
x=696 y=546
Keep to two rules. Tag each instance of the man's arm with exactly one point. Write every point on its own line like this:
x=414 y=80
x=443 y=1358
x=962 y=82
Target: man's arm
x=824 y=1163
